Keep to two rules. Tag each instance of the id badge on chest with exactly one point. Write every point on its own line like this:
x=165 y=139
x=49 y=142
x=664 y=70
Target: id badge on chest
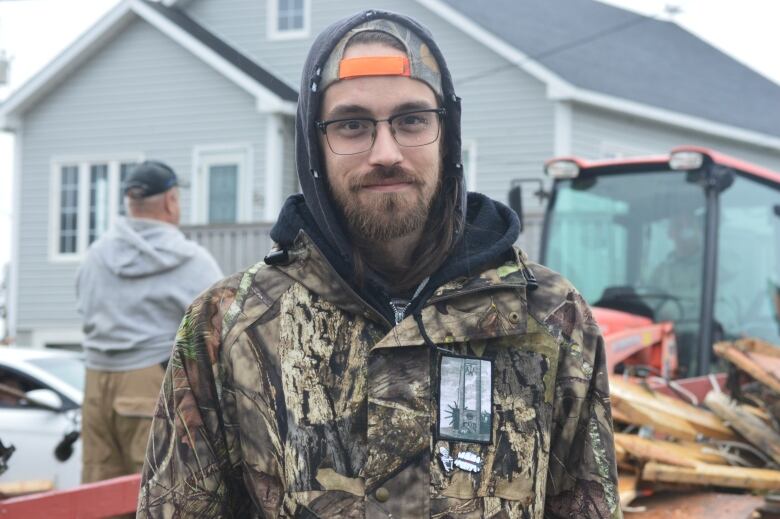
x=465 y=403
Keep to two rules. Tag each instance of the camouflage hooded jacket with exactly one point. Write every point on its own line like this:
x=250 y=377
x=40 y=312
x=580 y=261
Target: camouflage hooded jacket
x=287 y=396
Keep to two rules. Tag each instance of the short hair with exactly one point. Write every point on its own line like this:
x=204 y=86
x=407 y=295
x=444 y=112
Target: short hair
x=376 y=37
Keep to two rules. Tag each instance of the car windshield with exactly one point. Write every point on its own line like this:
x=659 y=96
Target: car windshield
x=634 y=242
x=68 y=369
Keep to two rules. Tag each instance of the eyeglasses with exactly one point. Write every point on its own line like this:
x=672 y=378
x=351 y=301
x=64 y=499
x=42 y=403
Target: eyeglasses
x=357 y=134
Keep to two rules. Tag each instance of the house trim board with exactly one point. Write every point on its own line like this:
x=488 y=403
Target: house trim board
x=559 y=89
x=274 y=166
x=16 y=204
x=470 y=145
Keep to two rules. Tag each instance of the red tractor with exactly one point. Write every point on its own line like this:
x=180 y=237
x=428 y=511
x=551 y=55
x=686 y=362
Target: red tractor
x=674 y=253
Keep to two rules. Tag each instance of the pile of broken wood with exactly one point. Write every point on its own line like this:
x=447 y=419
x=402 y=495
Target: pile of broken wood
x=728 y=441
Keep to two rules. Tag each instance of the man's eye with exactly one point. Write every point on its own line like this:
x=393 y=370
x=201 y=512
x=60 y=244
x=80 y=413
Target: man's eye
x=413 y=121
x=351 y=126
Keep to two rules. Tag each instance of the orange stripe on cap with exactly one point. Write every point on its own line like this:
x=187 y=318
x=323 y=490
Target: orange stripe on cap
x=374 y=66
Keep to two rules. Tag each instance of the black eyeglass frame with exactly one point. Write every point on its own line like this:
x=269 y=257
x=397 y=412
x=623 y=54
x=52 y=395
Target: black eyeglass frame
x=323 y=127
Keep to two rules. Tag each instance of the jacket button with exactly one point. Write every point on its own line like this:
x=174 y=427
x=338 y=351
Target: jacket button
x=382 y=494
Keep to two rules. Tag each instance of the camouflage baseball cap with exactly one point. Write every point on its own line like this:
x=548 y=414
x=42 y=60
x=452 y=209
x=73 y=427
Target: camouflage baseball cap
x=419 y=64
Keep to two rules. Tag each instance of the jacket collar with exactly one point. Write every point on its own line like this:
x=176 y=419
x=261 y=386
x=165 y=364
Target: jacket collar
x=489 y=305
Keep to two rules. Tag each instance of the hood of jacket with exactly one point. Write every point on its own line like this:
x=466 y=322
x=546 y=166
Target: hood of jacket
x=489 y=228
x=137 y=247
x=307 y=140
x=489 y=234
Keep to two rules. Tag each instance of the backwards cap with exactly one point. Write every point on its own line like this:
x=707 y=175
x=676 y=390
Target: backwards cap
x=419 y=62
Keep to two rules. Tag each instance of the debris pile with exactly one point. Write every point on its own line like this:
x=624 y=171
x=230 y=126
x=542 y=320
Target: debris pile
x=727 y=443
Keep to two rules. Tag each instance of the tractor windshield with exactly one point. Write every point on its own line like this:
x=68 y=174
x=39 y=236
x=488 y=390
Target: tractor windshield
x=747 y=301
x=634 y=242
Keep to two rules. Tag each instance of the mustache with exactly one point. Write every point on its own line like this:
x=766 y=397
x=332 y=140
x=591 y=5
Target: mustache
x=383 y=175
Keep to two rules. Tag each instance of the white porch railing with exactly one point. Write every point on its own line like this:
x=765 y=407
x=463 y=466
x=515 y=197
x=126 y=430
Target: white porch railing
x=238 y=246
x=234 y=246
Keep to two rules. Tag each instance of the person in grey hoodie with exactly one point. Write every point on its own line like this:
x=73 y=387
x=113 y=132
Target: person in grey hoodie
x=133 y=289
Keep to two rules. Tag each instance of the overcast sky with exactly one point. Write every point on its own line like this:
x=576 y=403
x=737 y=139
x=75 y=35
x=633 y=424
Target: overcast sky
x=32 y=32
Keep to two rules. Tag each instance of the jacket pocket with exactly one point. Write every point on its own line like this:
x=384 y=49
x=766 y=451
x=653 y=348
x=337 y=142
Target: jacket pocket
x=509 y=474
x=135 y=406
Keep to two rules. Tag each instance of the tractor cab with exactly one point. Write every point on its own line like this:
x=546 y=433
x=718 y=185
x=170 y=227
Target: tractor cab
x=690 y=240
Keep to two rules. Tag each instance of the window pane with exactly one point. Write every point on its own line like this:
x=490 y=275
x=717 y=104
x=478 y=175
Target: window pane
x=290 y=15
x=223 y=193
x=634 y=242
x=747 y=301
x=124 y=170
x=98 y=201
x=69 y=190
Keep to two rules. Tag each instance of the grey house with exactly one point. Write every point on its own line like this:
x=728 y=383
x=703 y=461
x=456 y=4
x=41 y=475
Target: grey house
x=210 y=86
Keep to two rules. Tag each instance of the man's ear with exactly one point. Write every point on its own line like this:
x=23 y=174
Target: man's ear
x=171 y=198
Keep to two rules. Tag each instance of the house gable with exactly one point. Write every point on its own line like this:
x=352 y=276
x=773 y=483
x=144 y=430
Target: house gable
x=272 y=94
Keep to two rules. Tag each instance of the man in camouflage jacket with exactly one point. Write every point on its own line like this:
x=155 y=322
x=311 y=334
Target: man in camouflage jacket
x=395 y=356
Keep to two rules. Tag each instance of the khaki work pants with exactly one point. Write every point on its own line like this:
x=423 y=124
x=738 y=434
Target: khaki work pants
x=115 y=421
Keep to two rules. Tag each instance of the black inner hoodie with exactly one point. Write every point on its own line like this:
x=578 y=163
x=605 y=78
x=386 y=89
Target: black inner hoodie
x=490 y=227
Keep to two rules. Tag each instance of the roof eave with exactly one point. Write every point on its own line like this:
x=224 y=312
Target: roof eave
x=91 y=42
x=558 y=89
x=669 y=117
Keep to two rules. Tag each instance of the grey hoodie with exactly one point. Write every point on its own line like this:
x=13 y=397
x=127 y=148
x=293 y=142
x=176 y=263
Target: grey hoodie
x=133 y=289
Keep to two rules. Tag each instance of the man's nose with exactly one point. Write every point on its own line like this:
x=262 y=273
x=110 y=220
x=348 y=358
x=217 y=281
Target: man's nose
x=386 y=151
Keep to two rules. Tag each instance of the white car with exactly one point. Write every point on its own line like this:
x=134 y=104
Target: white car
x=43 y=407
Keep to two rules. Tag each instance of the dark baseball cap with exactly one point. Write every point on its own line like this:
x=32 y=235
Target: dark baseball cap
x=149 y=178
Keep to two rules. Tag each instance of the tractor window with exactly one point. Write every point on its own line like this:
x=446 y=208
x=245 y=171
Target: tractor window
x=633 y=242
x=747 y=301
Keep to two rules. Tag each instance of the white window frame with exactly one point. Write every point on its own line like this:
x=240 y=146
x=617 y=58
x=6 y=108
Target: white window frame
x=470 y=165
x=84 y=164
x=273 y=31
x=202 y=157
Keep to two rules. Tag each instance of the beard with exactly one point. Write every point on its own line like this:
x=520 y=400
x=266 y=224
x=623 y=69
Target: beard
x=386 y=216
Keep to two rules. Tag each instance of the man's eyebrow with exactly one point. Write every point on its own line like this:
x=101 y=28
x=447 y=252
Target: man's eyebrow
x=348 y=110
x=413 y=105
x=340 y=111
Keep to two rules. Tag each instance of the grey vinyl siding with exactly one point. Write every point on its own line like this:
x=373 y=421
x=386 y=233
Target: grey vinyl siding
x=142 y=93
x=505 y=111
x=594 y=130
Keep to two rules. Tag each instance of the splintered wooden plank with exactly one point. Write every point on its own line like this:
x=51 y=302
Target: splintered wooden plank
x=649 y=450
x=743 y=361
x=753 y=345
x=627 y=488
x=755 y=430
x=621 y=454
x=664 y=413
x=618 y=416
x=660 y=422
x=671 y=453
x=713 y=475
x=19 y=488
x=701 y=452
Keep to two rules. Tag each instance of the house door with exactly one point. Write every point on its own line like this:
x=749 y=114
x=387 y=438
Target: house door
x=223 y=193
x=222 y=188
